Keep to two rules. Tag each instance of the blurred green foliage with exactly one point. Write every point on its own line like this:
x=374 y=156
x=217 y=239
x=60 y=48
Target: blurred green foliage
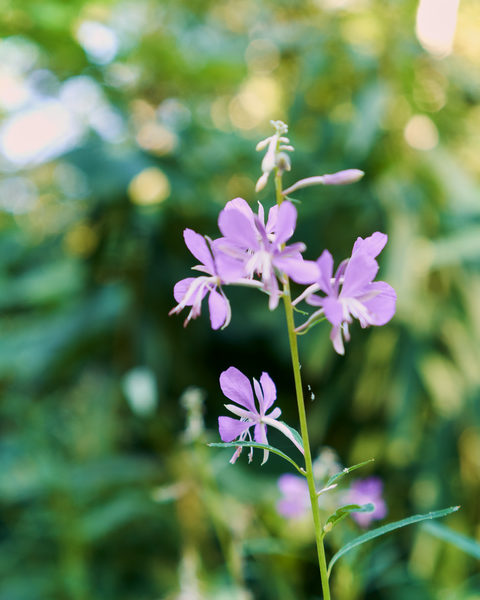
x=103 y=495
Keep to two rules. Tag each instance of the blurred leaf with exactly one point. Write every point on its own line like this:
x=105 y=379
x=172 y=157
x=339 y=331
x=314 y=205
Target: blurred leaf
x=463 y=542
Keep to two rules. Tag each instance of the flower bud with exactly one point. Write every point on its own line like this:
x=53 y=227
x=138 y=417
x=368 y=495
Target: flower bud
x=262 y=182
x=343 y=177
x=283 y=162
x=263 y=144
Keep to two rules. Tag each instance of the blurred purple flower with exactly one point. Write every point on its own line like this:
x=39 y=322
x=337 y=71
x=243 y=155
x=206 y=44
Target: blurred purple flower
x=261 y=249
x=363 y=491
x=371 y=302
x=237 y=387
x=220 y=269
x=295 y=502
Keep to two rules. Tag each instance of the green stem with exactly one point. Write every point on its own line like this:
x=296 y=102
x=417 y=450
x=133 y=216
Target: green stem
x=292 y=336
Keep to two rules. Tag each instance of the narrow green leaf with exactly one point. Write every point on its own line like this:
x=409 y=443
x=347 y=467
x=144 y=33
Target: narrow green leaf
x=293 y=200
x=346 y=471
x=294 y=432
x=343 y=512
x=261 y=446
x=386 y=529
x=459 y=540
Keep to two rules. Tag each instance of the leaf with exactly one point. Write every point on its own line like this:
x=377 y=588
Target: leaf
x=346 y=471
x=255 y=445
x=386 y=529
x=446 y=534
x=294 y=432
x=343 y=512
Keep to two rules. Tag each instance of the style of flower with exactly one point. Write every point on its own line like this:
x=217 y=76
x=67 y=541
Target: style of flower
x=295 y=501
x=237 y=387
x=364 y=491
x=371 y=302
x=263 y=252
x=220 y=269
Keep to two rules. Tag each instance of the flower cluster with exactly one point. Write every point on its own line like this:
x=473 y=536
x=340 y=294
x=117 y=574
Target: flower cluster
x=254 y=253
x=248 y=248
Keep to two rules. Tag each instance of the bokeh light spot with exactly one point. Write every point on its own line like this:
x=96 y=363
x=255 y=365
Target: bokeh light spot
x=421 y=133
x=151 y=186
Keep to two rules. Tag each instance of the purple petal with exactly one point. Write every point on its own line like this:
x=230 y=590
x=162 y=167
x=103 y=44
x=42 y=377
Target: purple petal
x=333 y=310
x=383 y=305
x=337 y=340
x=260 y=433
x=229 y=269
x=372 y=246
x=286 y=221
x=241 y=205
x=218 y=309
x=182 y=287
x=325 y=264
x=269 y=391
x=360 y=271
x=291 y=485
x=237 y=229
x=230 y=428
x=236 y=386
x=197 y=245
x=272 y=219
x=259 y=395
x=301 y=271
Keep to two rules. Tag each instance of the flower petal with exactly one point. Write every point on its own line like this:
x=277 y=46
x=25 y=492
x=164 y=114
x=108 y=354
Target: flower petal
x=372 y=246
x=272 y=219
x=286 y=221
x=383 y=304
x=325 y=264
x=237 y=228
x=197 y=245
x=230 y=428
x=333 y=310
x=218 y=309
x=269 y=392
x=189 y=285
x=337 y=340
x=360 y=271
x=301 y=271
x=236 y=386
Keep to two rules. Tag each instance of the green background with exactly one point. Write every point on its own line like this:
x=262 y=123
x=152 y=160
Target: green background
x=102 y=500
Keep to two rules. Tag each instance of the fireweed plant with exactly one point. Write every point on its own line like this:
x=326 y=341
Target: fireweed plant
x=255 y=252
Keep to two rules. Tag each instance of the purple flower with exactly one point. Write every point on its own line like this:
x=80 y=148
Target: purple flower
x=363 y=491
x=237 y=387
x=263 y=251
x=372 y=303
x=296 y=498
x=220 y=269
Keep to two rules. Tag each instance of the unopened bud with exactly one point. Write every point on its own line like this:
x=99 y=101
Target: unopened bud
x=327 y=527
x=343 y=177
x=288 y=148
x=283 y=162
x=262 y=182
x=263 y=144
